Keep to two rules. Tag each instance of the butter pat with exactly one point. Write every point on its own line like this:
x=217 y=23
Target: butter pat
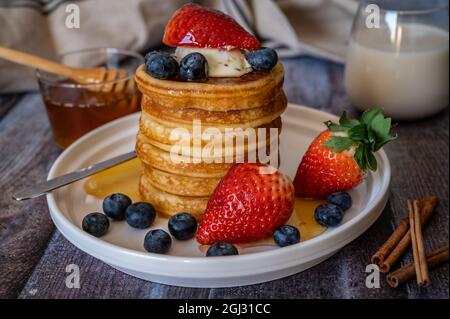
x=221 y=63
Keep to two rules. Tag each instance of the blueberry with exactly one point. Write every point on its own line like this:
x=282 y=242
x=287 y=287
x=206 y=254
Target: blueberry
x=152 y=54
x=328 y=215
x=182 y=226
x=193 y=67
x=140 y=215
x=286 y=235
x=341 y=199
x=157 y=241
x=115 y=205
x=161 y=65
x=96 y=224
x=262 y=60
x=221 y=249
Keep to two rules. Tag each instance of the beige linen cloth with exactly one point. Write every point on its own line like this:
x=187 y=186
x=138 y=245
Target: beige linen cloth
x=294 y=27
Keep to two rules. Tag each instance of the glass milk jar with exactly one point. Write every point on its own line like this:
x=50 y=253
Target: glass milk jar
x=398 y=58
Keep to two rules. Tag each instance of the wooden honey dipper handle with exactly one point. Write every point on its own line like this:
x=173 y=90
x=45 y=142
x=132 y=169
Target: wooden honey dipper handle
x=81 y=75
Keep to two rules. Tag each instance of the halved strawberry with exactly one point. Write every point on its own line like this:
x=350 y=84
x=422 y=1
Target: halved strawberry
x=339 y=157
x=249 y=203
x=196 y=26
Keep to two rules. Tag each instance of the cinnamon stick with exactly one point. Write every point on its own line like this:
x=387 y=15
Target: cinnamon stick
x=403 y=274
x=420 y=260
x=427 y=207
x=391 y=243
x=414 y=242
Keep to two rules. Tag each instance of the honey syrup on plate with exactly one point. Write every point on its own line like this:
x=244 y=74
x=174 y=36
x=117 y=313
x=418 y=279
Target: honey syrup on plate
x=124 y=178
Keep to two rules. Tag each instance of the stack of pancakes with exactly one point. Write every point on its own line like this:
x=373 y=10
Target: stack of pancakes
x=175 y=181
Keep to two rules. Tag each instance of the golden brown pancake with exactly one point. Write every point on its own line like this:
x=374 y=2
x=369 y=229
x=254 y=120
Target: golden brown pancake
x=155 y=157
x=183 y=117
x=169 y=204
x=249 y=91
x=158 y=132
x=198 y=159
x=179 y=184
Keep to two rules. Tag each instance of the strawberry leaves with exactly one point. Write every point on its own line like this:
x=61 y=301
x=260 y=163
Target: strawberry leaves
x=365 y=158
x=365 y=136
x=381 y=127
x=344 y=124
x=339 y=143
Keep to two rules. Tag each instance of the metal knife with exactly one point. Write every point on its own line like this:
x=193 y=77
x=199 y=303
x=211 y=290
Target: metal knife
x=52 y=184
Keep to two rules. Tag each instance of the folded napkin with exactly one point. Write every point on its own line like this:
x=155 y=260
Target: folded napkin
x=293 y=27
x=296 y=27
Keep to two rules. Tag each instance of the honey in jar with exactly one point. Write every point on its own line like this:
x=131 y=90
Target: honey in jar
x=76 y=108
x=73 y=111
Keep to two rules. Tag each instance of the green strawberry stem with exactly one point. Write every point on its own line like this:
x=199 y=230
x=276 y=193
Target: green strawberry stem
x=367 y=136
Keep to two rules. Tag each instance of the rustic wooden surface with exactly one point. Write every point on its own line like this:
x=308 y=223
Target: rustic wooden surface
x=33 y=255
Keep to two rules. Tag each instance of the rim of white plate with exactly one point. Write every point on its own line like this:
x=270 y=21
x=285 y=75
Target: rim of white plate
x=223 y=261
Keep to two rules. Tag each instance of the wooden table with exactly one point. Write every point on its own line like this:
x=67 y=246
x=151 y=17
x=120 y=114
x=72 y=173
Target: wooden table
x=34 y=256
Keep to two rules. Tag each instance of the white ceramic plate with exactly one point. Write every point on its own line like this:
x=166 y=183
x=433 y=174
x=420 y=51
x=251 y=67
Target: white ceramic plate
x=122 y=246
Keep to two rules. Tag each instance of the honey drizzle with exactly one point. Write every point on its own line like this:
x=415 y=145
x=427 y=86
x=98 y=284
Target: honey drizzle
x=123 y=178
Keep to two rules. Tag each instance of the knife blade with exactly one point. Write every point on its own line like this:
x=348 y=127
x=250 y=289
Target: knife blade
x=63 y=180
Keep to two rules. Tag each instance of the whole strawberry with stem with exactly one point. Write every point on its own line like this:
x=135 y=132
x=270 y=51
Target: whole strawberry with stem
x=250 y=202
x=339 y=157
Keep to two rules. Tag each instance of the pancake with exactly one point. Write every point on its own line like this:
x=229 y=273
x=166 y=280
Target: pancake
x=216 y=152
x=179 y=184
x=249 y=91
x=161 y=134
x=169 y=204
x=171 y=157
x=157 y=158
x=183 y=117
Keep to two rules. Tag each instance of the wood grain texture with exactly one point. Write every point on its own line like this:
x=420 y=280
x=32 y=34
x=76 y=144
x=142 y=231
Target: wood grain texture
x=7 y=102
x=419 y=161
x=27 y=152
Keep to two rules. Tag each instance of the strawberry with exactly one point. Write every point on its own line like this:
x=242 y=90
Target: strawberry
x=196 y=26
x=249 y=203
x=339 y=157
